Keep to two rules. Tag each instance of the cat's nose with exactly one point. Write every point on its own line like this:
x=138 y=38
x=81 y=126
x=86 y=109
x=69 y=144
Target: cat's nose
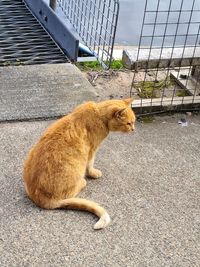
x=133 y=128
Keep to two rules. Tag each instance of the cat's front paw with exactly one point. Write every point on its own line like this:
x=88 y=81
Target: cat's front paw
x=94 y=173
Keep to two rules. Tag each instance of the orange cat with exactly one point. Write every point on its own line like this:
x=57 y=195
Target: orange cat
x=55 y=169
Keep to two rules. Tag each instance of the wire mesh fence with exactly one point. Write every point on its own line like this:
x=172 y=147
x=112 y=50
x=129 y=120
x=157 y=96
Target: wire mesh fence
x=167 y=61
x=95 y=21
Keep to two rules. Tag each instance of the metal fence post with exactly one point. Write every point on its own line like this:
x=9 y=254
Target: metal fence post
x=52 y=4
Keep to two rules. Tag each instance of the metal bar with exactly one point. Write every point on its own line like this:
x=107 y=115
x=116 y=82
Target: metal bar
x=52 y=4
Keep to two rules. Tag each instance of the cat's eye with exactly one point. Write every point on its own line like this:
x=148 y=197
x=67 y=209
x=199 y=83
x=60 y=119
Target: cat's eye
x=129 y=123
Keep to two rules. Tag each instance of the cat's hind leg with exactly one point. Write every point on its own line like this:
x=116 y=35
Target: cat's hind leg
x=77 y=189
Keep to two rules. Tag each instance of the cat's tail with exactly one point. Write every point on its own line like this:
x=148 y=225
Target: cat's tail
x=85 y=205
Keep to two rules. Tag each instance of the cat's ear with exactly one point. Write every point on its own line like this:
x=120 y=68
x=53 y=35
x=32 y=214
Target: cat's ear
x=128 y=101
x=120 y=113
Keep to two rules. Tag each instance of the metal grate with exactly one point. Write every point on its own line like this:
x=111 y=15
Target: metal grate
x=22 y=38
x=95 y=21
x=168 y=58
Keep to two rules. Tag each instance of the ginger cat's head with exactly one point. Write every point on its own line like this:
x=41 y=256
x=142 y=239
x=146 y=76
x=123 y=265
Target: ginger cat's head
x=121 y=116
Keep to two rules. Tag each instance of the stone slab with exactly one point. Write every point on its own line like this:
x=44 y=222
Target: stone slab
x=160 y=58
x=142 y=106
x=41 y=91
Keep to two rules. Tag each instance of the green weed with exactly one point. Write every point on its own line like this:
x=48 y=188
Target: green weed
x=96 y=66
x=182 y=93
x=149 y=89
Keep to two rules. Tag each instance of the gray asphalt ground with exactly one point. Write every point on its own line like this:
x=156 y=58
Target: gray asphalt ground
x=150 y=187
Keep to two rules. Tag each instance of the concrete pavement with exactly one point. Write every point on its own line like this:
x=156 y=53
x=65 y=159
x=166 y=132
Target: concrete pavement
x=150 y=187
x=41 y=91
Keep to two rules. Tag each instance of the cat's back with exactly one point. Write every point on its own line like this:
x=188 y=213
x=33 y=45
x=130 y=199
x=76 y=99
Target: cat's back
x=70 y=130
x=74 y=122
